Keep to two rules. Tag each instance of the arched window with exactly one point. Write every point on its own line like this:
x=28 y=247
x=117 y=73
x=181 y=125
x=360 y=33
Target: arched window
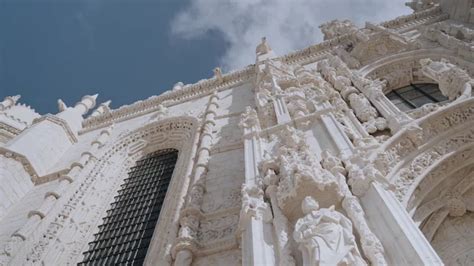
x=415 y=96
x=128 y=227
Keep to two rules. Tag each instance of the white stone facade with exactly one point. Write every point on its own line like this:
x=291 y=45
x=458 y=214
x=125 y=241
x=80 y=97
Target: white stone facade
x=298 y=159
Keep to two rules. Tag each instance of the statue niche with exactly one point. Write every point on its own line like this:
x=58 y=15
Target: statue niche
x=325 y=237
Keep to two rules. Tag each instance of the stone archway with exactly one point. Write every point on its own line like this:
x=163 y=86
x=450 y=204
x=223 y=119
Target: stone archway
x=81 y=209
x=431 y=164
x=403 y=69
x=171 y=133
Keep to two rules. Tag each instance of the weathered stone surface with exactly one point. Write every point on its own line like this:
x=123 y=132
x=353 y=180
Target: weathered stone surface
x=394 y=188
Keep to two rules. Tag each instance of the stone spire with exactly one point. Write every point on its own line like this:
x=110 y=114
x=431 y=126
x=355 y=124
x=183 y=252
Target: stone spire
x=87 y=102
x=8 y=102
x=102 y=109
x=264 y=51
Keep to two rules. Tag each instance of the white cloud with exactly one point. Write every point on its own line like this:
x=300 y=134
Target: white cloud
x=287 y=24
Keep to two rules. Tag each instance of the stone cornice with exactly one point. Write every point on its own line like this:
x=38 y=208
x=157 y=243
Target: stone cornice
x=56 y=120
x=169 y=98
x=315 y=51
x=407 y=19
x=304 y=56
x=7 y=128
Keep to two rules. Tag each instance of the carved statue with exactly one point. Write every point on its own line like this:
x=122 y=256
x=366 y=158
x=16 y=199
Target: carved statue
x=263 y=47
x=362 y=107
x=325 y=237
x=453 y=81
x=249 y=118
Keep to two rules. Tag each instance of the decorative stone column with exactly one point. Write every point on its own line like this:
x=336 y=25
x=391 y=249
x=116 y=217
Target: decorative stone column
x=371 y=245
x=187 y=243
x=373 y=90
x=280 y=222
x=353 y=127
x=255 y=217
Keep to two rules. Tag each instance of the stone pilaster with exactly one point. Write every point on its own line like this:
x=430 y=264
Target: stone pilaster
x=187 y=242
x=255 y=217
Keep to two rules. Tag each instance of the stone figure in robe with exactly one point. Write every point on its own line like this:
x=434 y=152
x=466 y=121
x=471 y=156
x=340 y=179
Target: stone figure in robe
x=325 y=237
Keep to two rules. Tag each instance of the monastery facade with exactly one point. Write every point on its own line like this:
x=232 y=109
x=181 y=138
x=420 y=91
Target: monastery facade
x=358 y=150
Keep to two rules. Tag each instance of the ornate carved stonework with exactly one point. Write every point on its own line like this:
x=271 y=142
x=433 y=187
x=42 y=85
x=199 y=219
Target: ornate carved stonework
x=325 y=236
x=336 y=28
x=300 y=173
x=453 y=81
x=394 y=187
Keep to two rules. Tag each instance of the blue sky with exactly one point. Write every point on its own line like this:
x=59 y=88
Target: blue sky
x=129 y=50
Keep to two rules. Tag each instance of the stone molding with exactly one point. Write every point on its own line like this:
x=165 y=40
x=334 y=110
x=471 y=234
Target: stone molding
x=421 y=143
x=60 y=122
x=412 y=18
x=23 y=160
x=9 y=130
x=173 y=132
x=306 y=55
x=169 y=98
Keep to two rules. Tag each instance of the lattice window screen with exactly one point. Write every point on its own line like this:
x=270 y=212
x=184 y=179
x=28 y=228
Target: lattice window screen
x=126 y=232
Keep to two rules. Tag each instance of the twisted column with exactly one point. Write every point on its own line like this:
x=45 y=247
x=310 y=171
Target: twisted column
x=280 y=222
x=371 y=245
x=186 y=243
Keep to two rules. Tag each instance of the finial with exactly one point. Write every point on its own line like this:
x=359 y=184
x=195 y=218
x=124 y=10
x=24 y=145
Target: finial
x=61 y=105
x=218 y=73
x=102 y=109
x=178 y=86
x=107 y=103
x=87 y=102
x=263 y=47
x=15 y=98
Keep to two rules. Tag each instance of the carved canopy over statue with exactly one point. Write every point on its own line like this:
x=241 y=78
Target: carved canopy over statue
x=453 y=81
x=325 y=237
x=336 y=28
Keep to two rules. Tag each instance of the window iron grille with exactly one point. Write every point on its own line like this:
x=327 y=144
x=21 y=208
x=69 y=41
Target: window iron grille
x=415 y=96
x=128 y=227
